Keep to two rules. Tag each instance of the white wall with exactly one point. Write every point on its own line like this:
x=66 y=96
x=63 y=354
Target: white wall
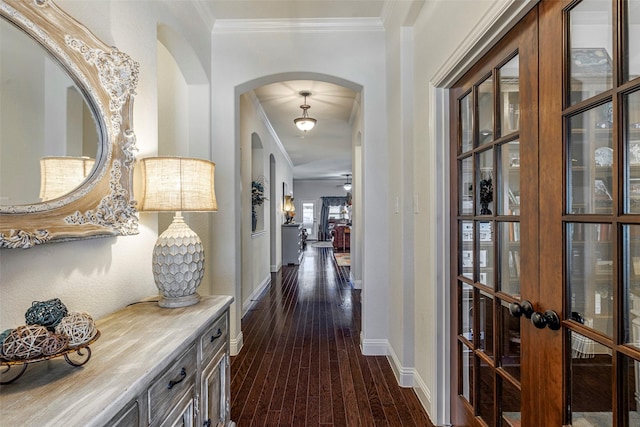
x=102 y=275
x=256 y=262
x=244 y=60
x=314 y=189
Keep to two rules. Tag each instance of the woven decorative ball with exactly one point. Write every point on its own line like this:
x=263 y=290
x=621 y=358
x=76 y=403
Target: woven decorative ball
x=54 y=344
x=25 y=342
x=4 y=335
x=78 y=326
x=46 y=313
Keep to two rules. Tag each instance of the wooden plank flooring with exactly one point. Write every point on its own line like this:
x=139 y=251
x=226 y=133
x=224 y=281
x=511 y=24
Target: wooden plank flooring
x=301 y=364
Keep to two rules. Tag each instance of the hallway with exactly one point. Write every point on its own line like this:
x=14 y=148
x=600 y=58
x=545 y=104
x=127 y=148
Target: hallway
x=301 y=363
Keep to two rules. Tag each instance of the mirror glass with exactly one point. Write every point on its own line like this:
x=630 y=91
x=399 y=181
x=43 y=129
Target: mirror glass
x=43 y=114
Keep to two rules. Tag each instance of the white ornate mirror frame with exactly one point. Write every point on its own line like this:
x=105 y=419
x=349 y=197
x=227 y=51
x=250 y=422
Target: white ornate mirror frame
x=103 y=205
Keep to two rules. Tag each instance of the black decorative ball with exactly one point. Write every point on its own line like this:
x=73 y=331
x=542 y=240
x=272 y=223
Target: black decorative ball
x=46 y=313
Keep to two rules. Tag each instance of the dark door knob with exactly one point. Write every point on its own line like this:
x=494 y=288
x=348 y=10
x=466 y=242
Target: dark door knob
x=548 y=318
x=517 y=310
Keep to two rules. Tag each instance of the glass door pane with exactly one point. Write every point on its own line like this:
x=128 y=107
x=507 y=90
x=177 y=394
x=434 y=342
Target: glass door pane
x=485 y=111
x=466 y=123
x=590 y=49
x=632 y=144
x=590 y=160
x=509 y=75
x=632 y=41
x=509 y=186
x=590 y=275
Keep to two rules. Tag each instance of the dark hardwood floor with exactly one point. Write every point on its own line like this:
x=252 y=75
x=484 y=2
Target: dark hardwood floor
x=301 y=363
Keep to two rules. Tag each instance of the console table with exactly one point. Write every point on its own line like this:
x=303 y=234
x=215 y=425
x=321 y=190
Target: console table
x=151 y=366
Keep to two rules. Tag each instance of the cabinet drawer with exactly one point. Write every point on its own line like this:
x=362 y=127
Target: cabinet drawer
x=172 y=385
x=213 y=339
x=128 y=417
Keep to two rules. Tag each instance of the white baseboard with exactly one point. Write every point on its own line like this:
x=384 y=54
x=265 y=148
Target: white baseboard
x=373 y=347
x=404 y=376
x=251 y=301
x=409 y=377
x=236 y=344
x=423 y=393
x=357 y=284
x=276 y=268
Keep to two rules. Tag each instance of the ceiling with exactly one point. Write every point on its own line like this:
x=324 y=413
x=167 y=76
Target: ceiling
x=293 y=9
x=325 y=151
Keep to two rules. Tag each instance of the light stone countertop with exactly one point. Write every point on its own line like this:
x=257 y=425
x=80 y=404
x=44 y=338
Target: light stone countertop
x=136 y=344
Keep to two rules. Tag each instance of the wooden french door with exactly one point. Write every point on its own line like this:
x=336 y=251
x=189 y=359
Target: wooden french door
x=545 y=153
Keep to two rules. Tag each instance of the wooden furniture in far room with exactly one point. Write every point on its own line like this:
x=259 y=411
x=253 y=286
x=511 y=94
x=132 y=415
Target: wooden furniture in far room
x=341 y=237
x=292 y=250
x=152 y=366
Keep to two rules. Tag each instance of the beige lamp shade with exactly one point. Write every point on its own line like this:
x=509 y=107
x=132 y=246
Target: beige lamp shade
x=288 y=204
x=177 y=184
x=61 y=175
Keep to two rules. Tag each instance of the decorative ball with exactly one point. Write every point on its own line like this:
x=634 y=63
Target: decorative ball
x=78 y=326
x=54 y=344
x=25 y=342
x=4 y=335
x=46 y=313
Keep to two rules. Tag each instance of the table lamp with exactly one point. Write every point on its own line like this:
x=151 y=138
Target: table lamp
x=177 y=184
x=289 y=209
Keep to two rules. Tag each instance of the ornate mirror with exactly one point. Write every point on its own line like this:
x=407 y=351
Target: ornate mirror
x=67 y=147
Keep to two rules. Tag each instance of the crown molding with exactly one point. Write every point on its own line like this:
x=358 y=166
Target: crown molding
x=258 y=106
x=317 y=25
x=499 y=18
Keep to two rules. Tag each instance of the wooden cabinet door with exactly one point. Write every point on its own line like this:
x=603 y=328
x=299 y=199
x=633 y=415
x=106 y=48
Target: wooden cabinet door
x=545 y=168
x=214 y=393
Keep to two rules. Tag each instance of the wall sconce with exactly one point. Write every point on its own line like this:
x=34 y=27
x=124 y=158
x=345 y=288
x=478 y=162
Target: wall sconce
x=61 y=175
x=178 y=184
x=289 y=209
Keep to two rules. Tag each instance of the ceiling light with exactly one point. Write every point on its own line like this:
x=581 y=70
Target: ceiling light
x=305 y=122
x=347 y=185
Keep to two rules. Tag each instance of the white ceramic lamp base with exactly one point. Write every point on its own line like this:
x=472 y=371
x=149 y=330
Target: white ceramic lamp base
x=178 y=264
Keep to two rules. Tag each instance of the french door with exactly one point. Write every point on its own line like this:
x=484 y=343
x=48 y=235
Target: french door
x=545 y=153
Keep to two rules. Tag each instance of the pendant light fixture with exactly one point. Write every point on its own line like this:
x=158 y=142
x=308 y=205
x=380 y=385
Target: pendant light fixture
x=347 y=185
x=305 y=122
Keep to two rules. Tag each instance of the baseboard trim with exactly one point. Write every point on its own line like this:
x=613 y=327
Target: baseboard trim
x=373 y=347
x=236 y=344
x=253 y=298
x=404 y=376
x=357 y=284
x=276 y=268
x=409 y=377
x=423 y=392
